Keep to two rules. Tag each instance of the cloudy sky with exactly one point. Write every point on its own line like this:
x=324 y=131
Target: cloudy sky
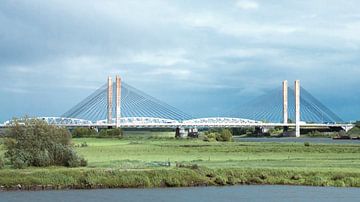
x=200 y=56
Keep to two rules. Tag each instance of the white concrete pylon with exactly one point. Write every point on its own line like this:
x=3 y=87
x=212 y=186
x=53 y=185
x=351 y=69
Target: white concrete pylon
x=118 y=100
x=297 y=108
x=109 y=101
x=285 y=102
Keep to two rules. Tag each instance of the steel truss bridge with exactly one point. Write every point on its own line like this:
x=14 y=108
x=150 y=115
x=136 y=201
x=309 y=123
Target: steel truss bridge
x=151 y=122
x=136 y=109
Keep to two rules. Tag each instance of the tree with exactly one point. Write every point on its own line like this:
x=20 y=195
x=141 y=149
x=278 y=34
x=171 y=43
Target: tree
x=225 y=135
x=222 y=135
x=357 y=124
x=83 y=132
x=33 y=142
x=116 y=132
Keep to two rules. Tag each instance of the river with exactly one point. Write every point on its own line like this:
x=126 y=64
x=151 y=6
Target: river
x=207 y=194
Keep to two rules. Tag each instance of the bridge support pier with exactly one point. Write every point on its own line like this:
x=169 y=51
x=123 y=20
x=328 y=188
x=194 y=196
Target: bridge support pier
x=346 y=128
x=261 y=131
x=180 y=132
x=285 y=129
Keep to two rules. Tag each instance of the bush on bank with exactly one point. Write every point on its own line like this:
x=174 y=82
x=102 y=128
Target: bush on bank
x=103 y=133
x=116 y=132
x=222 y=135
x=35 y=143
x=80 y=132
x=2 y=163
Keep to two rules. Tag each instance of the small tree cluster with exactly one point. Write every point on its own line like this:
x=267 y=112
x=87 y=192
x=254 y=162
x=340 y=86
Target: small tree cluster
x=35 y=143
x=243 y=131
x=356 y=130
x=116 y=132
x=84 y=132
x=90 y=132
x=222 y=135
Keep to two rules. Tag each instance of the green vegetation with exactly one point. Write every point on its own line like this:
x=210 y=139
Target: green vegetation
x=355 y=132
x=61 y=178
x=90 y=132
x=142 y=152
x=221 y=135
x=163 y=161
x=247 y=131
x=116 y=132
x=83 y=132
x=316 y=133
x=35 y=143
x=2 y=163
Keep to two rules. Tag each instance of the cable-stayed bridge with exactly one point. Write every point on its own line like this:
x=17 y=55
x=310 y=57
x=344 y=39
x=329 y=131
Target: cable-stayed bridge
x=118 y=104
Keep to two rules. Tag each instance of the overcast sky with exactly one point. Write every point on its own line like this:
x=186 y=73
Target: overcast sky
x=200 y=56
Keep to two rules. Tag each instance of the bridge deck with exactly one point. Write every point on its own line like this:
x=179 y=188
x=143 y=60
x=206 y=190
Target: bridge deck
x=200 y=125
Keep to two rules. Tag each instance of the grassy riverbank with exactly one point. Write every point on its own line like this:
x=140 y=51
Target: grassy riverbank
x=166 y=162
x=61 y=178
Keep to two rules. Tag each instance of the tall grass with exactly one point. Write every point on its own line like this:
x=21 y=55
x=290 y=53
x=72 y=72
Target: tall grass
x=176 y=177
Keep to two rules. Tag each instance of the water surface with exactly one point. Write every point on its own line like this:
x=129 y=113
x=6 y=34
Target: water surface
x=276 y=193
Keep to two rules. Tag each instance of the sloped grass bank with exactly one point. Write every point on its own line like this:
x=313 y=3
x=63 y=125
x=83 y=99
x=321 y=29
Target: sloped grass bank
x=78 y=178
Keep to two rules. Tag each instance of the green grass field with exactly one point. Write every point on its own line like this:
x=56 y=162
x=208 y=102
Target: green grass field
x=229 y=163
x=142 y=153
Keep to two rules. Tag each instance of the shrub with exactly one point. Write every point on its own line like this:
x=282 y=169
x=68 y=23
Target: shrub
x=2 y=163
x=223 y=135
x=19 y=163
x=296 y=177
x=210 y=136
x=190 y=166
x=306 y=144
x=116 y=132
x=339 y=183
x=83 y=132
x=35 y=143
x=243 y=131
x=338 y=176
x=73 y=160
x=219 y=180
x=41 y=159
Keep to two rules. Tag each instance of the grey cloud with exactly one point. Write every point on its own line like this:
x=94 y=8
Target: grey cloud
x=200 y=56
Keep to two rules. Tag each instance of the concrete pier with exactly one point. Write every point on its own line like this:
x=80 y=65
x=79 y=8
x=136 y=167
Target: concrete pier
x=297 y=108
x=118 y=100
x=109 y=100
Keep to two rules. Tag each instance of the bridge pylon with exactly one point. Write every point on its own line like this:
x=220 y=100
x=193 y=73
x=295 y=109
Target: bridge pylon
x=109 y=100
x=297 y=108
x=118 y=100
x=285 y=102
